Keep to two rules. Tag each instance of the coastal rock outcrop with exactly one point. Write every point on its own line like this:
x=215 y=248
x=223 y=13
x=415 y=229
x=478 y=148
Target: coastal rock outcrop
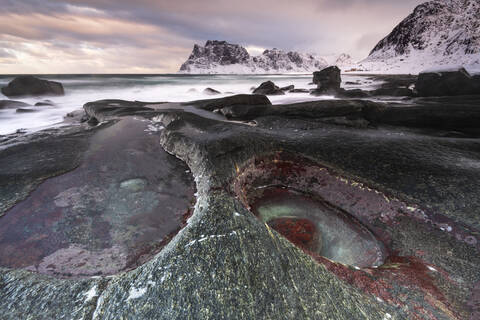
x=32 y=86
x=266 y=190
x=328 y=80
x=211 y=91
x=235 y=100
x=9 y=104
x=269 y=88
x=447 y=82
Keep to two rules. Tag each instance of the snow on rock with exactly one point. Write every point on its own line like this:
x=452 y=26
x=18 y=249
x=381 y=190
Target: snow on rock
x=221 y=57
x=437 y=33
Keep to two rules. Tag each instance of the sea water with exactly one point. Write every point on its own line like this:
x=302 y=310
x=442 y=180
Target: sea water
x=80 y=89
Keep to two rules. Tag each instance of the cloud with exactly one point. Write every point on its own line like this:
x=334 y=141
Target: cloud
x=101 y=35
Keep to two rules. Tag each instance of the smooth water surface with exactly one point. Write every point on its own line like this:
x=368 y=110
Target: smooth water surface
x=319 y=227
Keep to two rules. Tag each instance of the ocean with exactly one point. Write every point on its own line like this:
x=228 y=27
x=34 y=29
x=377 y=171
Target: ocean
x=80 y=89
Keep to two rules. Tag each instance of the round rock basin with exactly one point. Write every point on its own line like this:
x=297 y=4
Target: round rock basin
x=318 y=227
x=125 y=201
x=305 y=202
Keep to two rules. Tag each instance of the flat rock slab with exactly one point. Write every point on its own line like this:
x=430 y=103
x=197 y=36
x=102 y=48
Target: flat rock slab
x=413 y=189
x=121 y=205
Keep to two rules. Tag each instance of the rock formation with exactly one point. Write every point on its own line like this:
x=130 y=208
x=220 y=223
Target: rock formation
x=390 y=188
x=32 y=86
x=269 y=88
x=224 y=57
x=439 y=32
x=447 y=82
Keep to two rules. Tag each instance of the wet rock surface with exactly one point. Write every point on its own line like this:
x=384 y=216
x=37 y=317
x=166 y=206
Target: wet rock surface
x=412 y=188
x=123 y=203
x=447 y=83
x=236 y=100
x=32 y=86
x=269 y=88
x=327 y=80
x=7 y=104
x=211 y=91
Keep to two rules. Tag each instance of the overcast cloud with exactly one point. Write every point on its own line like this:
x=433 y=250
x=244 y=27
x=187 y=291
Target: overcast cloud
x=151 y=36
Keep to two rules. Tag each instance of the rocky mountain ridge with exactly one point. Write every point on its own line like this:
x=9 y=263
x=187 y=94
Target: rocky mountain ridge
x=223 y=57
x=436 y=33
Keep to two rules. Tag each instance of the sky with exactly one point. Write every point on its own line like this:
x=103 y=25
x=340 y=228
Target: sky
x=157 y=36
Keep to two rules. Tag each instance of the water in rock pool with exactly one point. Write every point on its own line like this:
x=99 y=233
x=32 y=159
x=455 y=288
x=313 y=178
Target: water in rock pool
x=120 y=206
x=318 y=227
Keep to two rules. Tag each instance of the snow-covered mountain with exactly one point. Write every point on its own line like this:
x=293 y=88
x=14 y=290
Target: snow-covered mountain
x=437 y=33
x=223 y=57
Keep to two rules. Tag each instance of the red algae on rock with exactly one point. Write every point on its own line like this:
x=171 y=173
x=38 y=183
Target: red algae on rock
x=341 y=223
x=301 y=232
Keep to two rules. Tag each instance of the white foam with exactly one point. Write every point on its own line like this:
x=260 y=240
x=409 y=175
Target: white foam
x=171 y=88
x=151 y=89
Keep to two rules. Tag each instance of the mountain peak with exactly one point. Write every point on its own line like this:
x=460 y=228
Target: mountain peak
x=438 y=32
x=224 y=57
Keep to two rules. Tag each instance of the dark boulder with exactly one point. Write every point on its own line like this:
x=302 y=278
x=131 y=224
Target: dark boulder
x=76 y=116
x=6 y=104
x=354 y=109
x=327 y=80
x=103 y=110
x=44 y=103
x=25 y=110
x=268 y=88
x=393 y=92
x=32 y=86
x=239 y=99
x=354 y=93
x=447 y=83
x=299 y=91
x=288 y=88
x=211 y=91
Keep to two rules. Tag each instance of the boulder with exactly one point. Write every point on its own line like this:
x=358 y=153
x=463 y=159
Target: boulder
x=299 y=91
x=268 y=88
x=239 y=99
x=6 y=104
x=25 y=110
x=76 y=116
x=103 y=110
x=354 y=93
x=32 y=86
x=327 y=80
x=211 y=91
x=447 y=82
x=393 y=92
x=44 y=103
x=288 y=88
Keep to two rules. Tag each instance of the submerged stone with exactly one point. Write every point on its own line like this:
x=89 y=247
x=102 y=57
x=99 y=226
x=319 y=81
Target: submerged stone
x=134 y=185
